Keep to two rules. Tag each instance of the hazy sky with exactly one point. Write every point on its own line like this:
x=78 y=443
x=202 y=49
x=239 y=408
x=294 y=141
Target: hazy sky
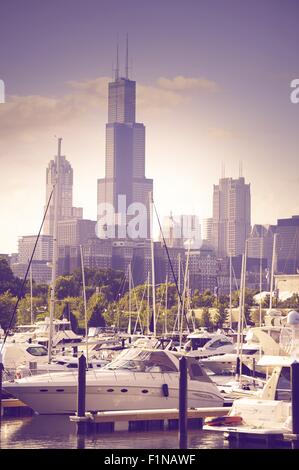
x=213 y=85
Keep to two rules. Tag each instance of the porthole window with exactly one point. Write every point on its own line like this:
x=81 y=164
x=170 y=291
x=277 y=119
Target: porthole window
x=144 y=391
x=43 y=390
x=124 y=390
x=110 y=390
x=59 y=389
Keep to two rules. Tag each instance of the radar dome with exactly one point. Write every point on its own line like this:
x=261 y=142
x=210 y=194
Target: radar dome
x=293 y=318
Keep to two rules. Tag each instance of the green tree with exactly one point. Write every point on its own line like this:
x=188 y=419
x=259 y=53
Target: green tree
x=220 y=315
x=66 y=286
x=96 y=307
x=7 y=305
x=24 y=309
x=205 y=320
x=8 y=282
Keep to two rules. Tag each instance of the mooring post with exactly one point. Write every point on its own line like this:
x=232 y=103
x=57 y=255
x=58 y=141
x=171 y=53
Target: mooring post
x=295 y=399
x=183 y=404
x=81 y=392
x=253 y=370
x=238 y=367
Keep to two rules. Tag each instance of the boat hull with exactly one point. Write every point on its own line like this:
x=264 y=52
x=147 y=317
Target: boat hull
x=114 y=393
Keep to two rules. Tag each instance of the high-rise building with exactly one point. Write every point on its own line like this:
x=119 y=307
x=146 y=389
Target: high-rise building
x=288 y=245
x=43 y=251
x=75 y=232
x=207 y=230
x=231 y=216
x=260 y=242
x=65 y=210
x=203 y=268
x=41 y=271
x=124 y=182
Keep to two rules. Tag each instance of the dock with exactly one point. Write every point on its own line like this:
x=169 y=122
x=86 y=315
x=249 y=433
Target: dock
x=14 y=407
x=144 y=420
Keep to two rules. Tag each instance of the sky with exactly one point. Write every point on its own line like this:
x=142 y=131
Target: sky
x=213 y=89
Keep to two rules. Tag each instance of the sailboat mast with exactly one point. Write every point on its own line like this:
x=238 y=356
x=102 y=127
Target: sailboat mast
x=130 y=300
x=272 y=270
x=166 y=304
x=153 y=268
x=179 y=286
x=230 y=291
x=148 y=303
x=85 y=303
x=31 y=299
x=261 y=278
x=55 y=248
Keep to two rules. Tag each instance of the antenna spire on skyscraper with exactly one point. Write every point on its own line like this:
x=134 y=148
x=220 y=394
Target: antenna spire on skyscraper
x=222 y=170
x=127 y=58
x=117 y=62
x=240 y=169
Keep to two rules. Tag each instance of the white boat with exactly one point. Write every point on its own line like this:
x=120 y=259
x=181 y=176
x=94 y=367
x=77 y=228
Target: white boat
x=265 y=412
x=39 y=332
x=258 y=341
x=202 y=344
x=136 y=379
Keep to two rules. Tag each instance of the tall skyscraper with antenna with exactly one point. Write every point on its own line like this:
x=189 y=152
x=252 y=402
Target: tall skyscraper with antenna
x=231 y=216
x=66 y=211
x=125 y=151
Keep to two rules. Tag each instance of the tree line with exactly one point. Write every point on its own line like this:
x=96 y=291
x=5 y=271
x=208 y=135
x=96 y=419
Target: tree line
x=109 y=302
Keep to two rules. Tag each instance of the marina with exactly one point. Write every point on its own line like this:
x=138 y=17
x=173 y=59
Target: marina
x=164 y=314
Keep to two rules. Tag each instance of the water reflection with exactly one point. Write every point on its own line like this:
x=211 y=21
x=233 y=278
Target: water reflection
x=57 y=432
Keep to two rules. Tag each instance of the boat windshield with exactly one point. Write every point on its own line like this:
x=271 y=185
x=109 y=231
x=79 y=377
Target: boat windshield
x=199 y=342
x=143 y=361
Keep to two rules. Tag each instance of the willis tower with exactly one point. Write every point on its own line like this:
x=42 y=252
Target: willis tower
x=125 y=156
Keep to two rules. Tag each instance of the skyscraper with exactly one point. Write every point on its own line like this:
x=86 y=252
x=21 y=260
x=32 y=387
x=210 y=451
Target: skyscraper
x=288 y=245
x=66 y=211
x=124 y=182
x=231 y=216
x=260 y=242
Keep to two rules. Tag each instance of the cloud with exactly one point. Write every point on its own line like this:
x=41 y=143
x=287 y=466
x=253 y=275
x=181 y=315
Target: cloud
x=221 y=134
x=22 y=116
x=181 y=83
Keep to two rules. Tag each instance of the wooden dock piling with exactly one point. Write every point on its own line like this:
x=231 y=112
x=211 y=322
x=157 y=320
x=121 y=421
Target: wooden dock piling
x=183 y=406
x=81 y=394
x=295 y=403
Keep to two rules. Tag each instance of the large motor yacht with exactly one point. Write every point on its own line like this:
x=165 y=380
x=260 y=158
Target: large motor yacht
x=136 y=379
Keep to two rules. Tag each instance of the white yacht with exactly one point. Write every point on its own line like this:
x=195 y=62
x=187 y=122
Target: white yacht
x=136 y=379
x=39 y=332
x=202 y=344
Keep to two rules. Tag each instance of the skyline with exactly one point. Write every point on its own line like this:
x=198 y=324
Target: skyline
x=222 y=95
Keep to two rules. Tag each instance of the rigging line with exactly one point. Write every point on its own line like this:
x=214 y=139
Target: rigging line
x=138 y=319
x=27 y=271
x=171 y=266
x=163 y=289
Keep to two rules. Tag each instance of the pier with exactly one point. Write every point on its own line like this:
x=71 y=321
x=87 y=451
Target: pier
x=110 y=421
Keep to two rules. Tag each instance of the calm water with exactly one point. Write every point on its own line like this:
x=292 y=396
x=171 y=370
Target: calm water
x=57 y=432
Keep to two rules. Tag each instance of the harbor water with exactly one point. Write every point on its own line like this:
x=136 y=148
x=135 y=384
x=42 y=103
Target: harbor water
x=57 y=432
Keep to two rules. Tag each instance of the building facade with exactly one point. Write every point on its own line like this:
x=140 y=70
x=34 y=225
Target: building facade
x=43 y=252
x=231 y=216
x=60 y=165
x=288 y=245
x=125 y=182
x=260 y=242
